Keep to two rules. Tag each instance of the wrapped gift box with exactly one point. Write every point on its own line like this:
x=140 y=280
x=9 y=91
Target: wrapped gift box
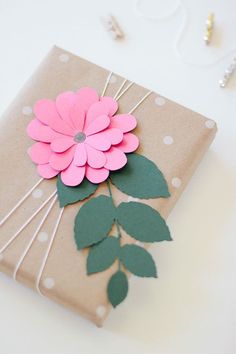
x=172 y=136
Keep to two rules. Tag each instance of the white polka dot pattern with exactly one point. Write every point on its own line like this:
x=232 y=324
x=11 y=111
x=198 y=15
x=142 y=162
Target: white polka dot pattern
x=209 y=124
x=64 y=58
x=176 y=182
x=49 y=283
x=27 y=110
x=168 y=140
x=42 y=236
x=37 y=193
x=101 y=311
x=160 y=101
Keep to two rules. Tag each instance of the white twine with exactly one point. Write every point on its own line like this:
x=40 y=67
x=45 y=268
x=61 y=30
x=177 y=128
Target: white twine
x=106 y=83
x=27 y=222
x=140 y=102
x=47 y=252
x=20 y=261
x=20 y=202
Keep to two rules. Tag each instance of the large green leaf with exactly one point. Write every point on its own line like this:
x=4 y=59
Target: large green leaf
x=103 y=255
x=69 y=195
x=143 y=222
x=140 y=178
x=117 y=288
x=94 y=221
x=138 y=261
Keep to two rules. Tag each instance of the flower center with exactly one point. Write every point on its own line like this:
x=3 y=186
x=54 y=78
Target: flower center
x=80 y=137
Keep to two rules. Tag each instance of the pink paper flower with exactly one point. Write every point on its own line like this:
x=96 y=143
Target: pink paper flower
x=79 y=135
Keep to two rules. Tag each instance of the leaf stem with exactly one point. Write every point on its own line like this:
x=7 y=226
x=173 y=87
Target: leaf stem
x=116 y=221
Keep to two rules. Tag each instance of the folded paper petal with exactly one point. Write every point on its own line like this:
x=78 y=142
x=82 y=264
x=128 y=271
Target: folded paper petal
x=129 y=143
x=115 y=136
x=86 y=97
x=95 y=158
x=112 y=103
x=64 y=102
x=62 y=144
x=40 y=153
x=124 y=122
x=73 y=175
x=98 y=142
x=80 y=157
x=116 y=159
x=62 y=160
x=46 y=171
x=96 y=110
x=77 y=116
x=45 y=110
x=40 y=132
x=96 y=175
x=97 y=125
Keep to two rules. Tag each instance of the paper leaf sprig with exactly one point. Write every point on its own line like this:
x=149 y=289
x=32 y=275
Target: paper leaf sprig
x=96 y=217
x=81 y=140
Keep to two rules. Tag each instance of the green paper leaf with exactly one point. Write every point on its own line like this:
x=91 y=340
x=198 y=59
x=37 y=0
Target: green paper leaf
x=138 y=261
x=117 y=288
x=94 y=221
x=142 y=222
x=103 y=255
x=69 y=195
x=140 y=178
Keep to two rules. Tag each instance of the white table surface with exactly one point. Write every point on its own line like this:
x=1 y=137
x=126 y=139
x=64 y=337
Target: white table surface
x=191 y=308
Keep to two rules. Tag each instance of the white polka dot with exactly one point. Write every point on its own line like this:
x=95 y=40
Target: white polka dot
x=27 y=110
x=1 y=256
x=140 y=244
x=64 y=58
x=113 y=79
x=49 y=283
x=42 y=236
x=101 y=311
x=132 y=199
x=37 y=193
x=209 y=124
x=168 y=140
x=28 y=150
x=176 y=182
x=160 y=101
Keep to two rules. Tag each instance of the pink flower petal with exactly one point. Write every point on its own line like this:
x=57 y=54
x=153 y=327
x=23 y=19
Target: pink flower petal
x=80 y=158
x=40 y=153
x=113 y=105
x=45 y=110
x=86 y=97
x=46 y=171
x=40 y=132
x=96 y=175
x=64 y=102
x=98 y=142
x=98 y=124
x=62 y=144
x=73 y=175
x=115 y=136
x=95 y=158
x=124 y=122
x=61 y=126
x=96 y=110
x=129 y=144
x=61 y=161
x=116 y=159
x=77 y=116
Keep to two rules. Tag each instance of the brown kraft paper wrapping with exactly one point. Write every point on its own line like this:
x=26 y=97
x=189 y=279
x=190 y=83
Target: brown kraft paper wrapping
x=64 y=278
